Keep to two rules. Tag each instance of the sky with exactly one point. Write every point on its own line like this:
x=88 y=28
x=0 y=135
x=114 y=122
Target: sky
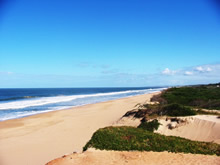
x=109 y=43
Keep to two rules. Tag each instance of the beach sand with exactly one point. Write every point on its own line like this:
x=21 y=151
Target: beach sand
x=37 y=139
x=97 y=157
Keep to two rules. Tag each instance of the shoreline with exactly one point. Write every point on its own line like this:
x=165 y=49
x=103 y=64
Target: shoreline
x=39 y=138
x=73 y=107
x=48 y=111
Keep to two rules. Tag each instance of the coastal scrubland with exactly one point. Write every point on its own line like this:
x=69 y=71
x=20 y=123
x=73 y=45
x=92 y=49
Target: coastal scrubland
x=173 y=102
x=181 y=101
x=138 y=139
x=199 y=96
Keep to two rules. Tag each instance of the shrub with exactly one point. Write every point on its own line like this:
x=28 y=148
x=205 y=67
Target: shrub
x=158 y=98
x=150 y=126
x=177 y=110
x=203 y=96
x=130 y=138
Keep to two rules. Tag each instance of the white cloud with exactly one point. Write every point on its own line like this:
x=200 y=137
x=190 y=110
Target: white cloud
x=188 y=73
x=199 y=68
x=208 y=69
x=167 y=71
x=203 y=69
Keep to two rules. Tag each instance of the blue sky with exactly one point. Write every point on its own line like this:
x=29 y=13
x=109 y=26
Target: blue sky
x=96 y=43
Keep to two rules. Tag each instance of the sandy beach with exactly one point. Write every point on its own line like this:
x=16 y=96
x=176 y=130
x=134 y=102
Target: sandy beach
x=40 y=138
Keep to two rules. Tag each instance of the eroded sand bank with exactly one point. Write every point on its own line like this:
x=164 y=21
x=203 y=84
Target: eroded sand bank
x=199 y=127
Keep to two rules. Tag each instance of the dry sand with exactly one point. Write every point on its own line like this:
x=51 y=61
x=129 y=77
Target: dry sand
x=199 y=127
x=38 y=139
x=97 y=157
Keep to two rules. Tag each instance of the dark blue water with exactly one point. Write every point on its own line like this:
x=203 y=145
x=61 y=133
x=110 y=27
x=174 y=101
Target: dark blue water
x=16 y=103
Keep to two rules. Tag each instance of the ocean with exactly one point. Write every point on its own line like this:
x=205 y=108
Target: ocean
x=17 y=103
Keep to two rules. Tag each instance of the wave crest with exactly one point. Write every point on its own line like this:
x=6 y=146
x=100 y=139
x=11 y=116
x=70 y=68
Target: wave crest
x=32 y=101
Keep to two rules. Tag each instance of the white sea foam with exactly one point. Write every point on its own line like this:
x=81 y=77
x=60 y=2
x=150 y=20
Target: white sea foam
x=22 y=114
x=59 y=99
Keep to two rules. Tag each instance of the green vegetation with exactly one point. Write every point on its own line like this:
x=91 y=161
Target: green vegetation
x=150 y=126
x=147 y=111
x=130 y=138
x=205 y=112
x=203 y=96
x=143 y=110
x=181 y=102
x=177 y=110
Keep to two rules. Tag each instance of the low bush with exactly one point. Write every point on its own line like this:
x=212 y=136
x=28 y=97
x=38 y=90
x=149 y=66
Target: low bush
x=150 y=126
x=177 y=110
x=201 y=96
x=130 y=138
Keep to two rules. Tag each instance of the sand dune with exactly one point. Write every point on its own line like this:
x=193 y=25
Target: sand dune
x=200 y=128
x=97 y=157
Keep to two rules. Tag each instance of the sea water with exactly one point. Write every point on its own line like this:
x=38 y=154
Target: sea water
x=17 y=103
